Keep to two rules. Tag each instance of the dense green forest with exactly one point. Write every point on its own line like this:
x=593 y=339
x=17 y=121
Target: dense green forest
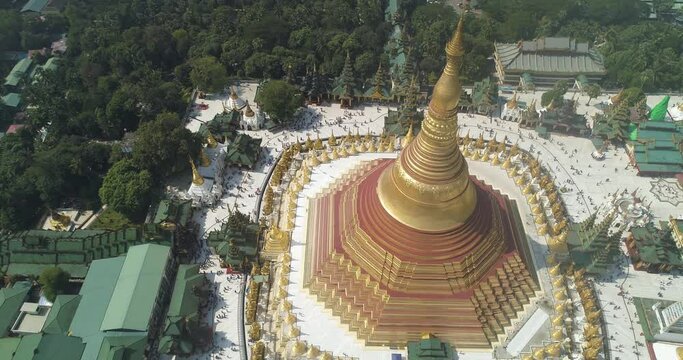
x=131 y=64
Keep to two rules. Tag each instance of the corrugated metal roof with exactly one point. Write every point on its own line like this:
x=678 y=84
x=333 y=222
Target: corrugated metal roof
x=10 y=302
x=96 y=292
x=62 y=313
x=35 y=5
x=12 y=99
x=137 y=288
x=20 y=69
x=556 y=55
x=183 y=300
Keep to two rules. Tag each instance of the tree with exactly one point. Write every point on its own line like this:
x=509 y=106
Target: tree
x=127 y=189
x=208 y=74
x=593 y=91
x=279 y=100
x=54 y=281
x=162 y=146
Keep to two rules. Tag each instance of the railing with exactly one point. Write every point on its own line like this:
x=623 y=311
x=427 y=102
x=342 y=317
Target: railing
x=240 y=319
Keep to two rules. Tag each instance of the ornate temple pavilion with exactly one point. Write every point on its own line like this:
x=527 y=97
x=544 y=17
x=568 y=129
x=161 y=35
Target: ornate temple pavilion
x=400 y=247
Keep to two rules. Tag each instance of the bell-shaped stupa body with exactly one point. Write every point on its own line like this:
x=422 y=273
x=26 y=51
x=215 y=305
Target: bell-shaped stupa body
x=428 y=187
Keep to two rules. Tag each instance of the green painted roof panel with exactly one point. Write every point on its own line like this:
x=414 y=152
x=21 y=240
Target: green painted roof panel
x=95 y=294
x=12 y=99
x=62 y=313
x=35 y=5
x=137 y=288
x=183 y=300
x=11 y=300
x=8 y=346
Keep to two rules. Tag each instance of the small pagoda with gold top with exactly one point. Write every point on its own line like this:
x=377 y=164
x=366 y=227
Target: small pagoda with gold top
x=400 y=247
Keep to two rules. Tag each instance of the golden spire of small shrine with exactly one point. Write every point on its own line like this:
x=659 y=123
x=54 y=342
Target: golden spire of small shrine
x=210 y=140
x=197 y=179
x=408 y=138
x=248 y=112
x=332 y=141
x=233 y=93
x=512 y=103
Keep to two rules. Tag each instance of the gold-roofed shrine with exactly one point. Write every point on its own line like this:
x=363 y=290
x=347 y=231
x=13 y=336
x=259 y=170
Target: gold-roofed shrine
x=400 y=247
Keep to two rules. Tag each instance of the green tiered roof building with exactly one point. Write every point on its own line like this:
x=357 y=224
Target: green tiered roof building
x=429 y=348
x=398 y=122
x=590 y=245
x=654 y=250
x=613 y=125
x=243 y=151
x=563 y=120
x=656 y=148
x=346 y=89
x=484 y=96
x=378 y=89
x=236 y=241
x=182 y=334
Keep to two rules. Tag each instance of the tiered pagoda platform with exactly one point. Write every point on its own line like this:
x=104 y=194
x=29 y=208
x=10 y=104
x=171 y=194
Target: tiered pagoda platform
x=390 y=282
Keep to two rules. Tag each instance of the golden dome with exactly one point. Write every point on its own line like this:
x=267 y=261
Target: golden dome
x=428 y=187
x=248 y=112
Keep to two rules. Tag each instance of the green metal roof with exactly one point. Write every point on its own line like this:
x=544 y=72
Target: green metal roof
x=243 y=151
x=117 y=346
x=51 y=64
x=96 y=292
x=62 y=313
x=550 y=55
x=27 y=347
x=656 y=148
x=137 y=288
x=183 y=300
x=49 y=347
x=11 y=300
x=35 y=5
x=8 y=346
x=19 y=71
x=12 y=99
x=656 y=246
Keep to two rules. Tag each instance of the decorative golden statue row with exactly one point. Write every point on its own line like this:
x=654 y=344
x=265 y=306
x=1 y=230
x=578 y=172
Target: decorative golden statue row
x=593 y=340
x=494 y=151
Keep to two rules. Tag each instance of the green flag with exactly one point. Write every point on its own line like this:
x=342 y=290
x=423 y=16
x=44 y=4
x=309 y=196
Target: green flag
x=658 y=113
x=633 y=132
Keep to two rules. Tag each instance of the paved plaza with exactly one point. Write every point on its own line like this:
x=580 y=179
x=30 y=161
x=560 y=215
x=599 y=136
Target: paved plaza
x=587 y=184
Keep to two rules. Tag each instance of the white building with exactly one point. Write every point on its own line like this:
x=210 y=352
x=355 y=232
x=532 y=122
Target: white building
x=670 y=320
x=511 y=110
x=250 y=119
x=234 y=102
x=207 y=180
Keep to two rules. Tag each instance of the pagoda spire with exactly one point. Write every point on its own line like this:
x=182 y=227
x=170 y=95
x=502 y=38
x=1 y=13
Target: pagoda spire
x=197 y=178
x=512 y=103
x=428 y=187
x=210 y=140
x=248 y=112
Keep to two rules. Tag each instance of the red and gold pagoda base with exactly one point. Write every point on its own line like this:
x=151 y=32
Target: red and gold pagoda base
x=390 y=283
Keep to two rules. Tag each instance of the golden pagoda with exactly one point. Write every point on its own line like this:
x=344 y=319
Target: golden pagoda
x=210 y=140
x=412 y=245
x=197 y=178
